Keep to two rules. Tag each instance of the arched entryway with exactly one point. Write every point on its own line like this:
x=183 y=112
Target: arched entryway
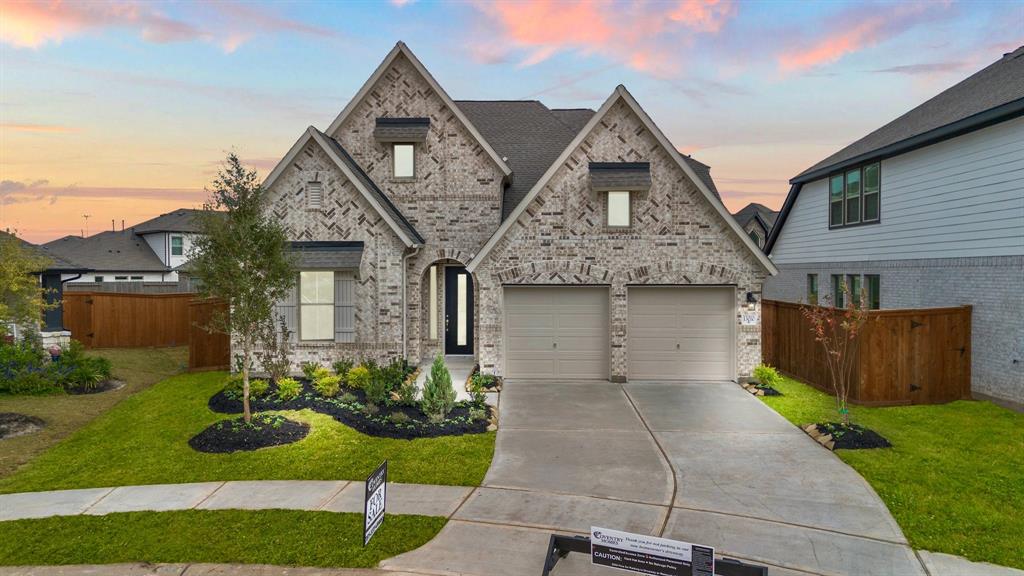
x=448 y=294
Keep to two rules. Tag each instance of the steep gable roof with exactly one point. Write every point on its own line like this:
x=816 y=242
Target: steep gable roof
x=574 y=118
x=355 y=174
x=526 y=134
x=622 y=94
x=755 y=210
x=401 y=49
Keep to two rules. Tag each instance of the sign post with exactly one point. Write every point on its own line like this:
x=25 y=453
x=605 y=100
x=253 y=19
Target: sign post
x=651 y=555
x=374 y=501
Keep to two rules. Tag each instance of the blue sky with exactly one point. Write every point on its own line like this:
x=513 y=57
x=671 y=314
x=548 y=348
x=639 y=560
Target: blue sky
x=122 y=110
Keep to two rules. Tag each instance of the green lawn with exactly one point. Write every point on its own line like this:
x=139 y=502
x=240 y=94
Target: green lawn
x=144 y=440
x=138 y=368
x=954 y=478
x=279 y=537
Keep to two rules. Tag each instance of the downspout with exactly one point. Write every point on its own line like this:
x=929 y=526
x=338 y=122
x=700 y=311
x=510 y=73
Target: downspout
x=62 y=283
x=405 y=298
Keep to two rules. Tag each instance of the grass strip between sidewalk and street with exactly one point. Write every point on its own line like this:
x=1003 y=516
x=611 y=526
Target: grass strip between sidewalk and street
x=279 y=537
x=954 y=478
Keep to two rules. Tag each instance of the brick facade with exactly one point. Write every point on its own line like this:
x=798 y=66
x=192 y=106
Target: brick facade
x=991 y=285
x=676 y=238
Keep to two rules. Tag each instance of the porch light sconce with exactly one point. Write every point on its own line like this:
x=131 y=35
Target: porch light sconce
x=751 y=300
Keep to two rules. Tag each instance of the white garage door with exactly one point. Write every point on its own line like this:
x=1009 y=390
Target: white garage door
x=678 y=333
x=556 y=332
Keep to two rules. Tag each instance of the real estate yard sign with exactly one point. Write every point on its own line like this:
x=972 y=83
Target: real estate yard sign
x=374 y=501
x=642 y=554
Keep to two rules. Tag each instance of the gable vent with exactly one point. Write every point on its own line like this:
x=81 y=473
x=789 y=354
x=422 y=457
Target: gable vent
x=314 y=195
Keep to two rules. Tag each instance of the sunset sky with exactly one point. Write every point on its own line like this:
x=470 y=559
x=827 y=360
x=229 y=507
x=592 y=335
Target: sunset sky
x=123 y=110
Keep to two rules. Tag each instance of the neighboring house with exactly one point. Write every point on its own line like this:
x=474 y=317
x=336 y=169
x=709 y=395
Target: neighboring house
x=52 y=280
x=147 y=252
x=757 y=221
x=546 y=243
x=926 y=211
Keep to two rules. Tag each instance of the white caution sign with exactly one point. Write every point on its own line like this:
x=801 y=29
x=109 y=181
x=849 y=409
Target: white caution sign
x=651 y=555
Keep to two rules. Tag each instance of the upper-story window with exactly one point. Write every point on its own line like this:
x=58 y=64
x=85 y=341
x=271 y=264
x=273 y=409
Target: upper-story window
x=853 y=196
x=618 y=209
x=404 y=158
x=177 y=246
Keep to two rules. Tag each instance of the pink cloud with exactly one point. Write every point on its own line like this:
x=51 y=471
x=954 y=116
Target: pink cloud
x=644 y=36
x=227 y=25
x=871 y=26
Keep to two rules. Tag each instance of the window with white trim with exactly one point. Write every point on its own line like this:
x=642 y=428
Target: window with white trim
x=316 y=305
x=618 y=209
x=404 y=160
x=177 y=245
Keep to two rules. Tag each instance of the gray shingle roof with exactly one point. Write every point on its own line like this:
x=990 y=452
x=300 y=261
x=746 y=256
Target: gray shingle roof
x=108 y=251
x=180 y=220
x=606 y=176
x=703 y=172
x=327 y=255
x=525 y=133
x=998 y=84
x=370 y=185
x=750 y=210
x=401 y=129
x=57 y=263
x=574 y=118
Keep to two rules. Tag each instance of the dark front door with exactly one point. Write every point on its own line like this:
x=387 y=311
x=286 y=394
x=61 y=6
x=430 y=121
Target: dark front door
x=458 y=311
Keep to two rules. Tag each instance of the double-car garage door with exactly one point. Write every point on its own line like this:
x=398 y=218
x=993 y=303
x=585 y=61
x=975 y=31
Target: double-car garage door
x=674 y=333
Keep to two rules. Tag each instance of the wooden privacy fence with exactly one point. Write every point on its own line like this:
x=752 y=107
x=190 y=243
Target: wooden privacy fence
x=119 y=320
x=116 y=320
x=206 y=351
x=911 y=356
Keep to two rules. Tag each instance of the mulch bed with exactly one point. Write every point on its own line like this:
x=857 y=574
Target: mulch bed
x=235 y=435
x=104 y=386
x=13 y=424
x=760 y=389
x=352 y=414
x=834 y=435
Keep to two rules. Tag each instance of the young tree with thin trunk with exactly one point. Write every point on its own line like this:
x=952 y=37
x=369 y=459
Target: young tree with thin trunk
x=837 y=329
x=240 y=257
x=22 y=298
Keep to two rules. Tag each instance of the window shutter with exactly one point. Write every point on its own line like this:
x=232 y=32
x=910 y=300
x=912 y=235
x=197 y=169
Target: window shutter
x=344 y=307
x=289 y=310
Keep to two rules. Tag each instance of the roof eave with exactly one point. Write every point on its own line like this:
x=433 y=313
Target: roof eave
x=1002 y=113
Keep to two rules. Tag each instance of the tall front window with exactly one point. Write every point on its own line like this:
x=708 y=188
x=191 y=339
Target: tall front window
x=405 y=160
x=316 y=305
x=874 y=282
x=618 y=209
x=177 y=246
x=853 y=283
x=433 y=302
x=838 y=299
x=812 y=288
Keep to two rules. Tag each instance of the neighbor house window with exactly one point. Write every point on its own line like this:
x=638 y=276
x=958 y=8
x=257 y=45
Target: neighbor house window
x=838 y=299
x=120 y=278
x=853 y=283
x=874 y=282
x=314 y=195
x=812 y=288
x=316 y=305
x=177 y=246
x=753 y=236
x=618 y=209
x=97 y=278
x=433 y=302
x=136 y=278
x=405 y=160
x=853 y=196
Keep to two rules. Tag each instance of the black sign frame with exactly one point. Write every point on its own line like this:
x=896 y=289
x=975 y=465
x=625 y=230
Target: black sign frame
x=376 y=483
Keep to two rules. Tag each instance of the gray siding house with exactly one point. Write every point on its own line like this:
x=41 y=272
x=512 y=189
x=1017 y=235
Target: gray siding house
x=543 y=243
x=927 y=211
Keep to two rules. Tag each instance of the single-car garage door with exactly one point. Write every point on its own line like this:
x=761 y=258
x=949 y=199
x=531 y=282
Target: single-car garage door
x=556 y=332
x=681 y=333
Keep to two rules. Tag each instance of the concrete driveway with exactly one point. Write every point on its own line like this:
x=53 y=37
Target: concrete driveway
x=700 y=462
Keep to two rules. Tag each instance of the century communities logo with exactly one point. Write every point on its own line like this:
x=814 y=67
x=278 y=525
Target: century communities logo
x=608 y=538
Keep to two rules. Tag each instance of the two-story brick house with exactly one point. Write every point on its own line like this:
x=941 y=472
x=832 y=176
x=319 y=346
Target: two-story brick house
x=547 y=243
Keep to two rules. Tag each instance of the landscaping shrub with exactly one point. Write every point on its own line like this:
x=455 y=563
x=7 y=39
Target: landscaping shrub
x=322 y=372
x=371 y=409
x=328 y=386
x=438 y=393
x=358 y=377
x=400 y=418
x=477 y=414
x=484 y=380
x=233 y=388
x=288 y=389
x=767 y=375
x=258 y=388
x=348 y=398
x=24 y=368
x=407 y=392
x=33 y=382
x=309 y=368
x=476 y=391
x=377 y=387
x=341 y=368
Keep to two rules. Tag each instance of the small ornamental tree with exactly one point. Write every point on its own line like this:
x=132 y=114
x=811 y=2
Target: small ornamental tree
x=22 y=298
x=438 y=392
x=240 y=258
x=837 y=329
